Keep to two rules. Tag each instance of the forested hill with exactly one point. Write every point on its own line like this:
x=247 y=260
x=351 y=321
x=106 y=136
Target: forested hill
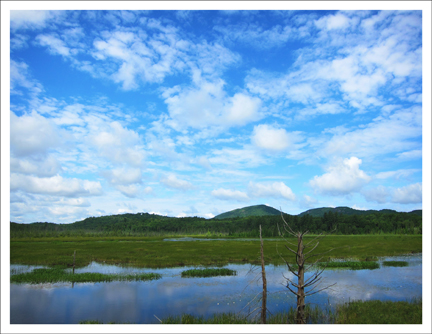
x=145 y=224
x=344 y=210
x=250 y=211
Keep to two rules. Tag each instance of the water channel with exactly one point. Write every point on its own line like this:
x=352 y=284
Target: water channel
x=142 y=302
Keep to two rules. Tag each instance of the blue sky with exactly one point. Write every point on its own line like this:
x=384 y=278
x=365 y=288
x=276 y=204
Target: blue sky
x=194 y=113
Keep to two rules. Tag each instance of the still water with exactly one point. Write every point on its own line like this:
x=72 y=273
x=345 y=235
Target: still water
x=142 y=302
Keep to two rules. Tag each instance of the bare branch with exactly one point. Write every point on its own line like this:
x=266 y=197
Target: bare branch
x=312 y=248
x=310 y=294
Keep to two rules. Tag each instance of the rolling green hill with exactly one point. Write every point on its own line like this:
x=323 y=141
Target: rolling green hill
x=255 y=210
x=344 y=210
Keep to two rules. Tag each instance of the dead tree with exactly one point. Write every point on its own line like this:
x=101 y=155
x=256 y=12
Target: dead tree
x=264 y=282
x=304 y=288
x=261 y=296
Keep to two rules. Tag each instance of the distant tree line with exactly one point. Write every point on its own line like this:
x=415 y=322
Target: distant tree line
x=150 y=224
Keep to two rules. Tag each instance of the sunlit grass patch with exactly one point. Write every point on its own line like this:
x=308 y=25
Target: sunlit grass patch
x=208 y=272
x=54 y=275
x=395 y=263
x=353 y=265
x=380 y=312
x=357 y=312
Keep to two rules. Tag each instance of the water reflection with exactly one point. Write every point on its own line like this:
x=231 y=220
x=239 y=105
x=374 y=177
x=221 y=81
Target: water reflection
x=139 y=302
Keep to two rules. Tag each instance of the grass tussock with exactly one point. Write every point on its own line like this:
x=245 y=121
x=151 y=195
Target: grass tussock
x=208 y=272
x=357 y=312
x=54 y=275
x=353 y=265
x=380 y=312
x=395 y=264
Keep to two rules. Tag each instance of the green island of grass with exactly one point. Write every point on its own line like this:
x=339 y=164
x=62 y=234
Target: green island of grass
x=54 y=275
x=208 y=272
x=395 y=263
x=353 y=265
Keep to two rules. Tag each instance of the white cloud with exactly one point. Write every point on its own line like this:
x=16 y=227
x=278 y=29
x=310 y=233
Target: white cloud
x=206 y=104
x=31 y=19
x=32 y=134
x=270 y=138
x=383 y=135
x=20 y=78
x=38 y=166
x=172 y=181
x=55 y=45
x=308 y=201
x=341 y=179
x=130 y=190
x=117 y=143
x=275 y=189
x=408 y=194
x=410 y=155
x=246 y=157
x=378 y=194
x=123 y=176
x=397 y=174
x=230 y=195
x=331 y=22
x=82 y=202
x=55 y=185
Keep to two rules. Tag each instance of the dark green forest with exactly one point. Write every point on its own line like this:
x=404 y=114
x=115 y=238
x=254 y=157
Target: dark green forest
x=145 y=224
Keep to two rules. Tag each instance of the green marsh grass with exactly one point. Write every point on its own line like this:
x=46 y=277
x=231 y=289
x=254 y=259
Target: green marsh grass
x=208 y=272
x=395 y=263
x=54 y=275
x=380 y=312
x=353 y=265
x=357 y=312
x=156 y=253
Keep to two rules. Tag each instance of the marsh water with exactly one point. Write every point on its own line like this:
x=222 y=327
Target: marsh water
x=142 y=302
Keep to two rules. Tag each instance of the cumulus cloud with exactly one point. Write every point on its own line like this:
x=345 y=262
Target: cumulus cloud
x=341 y=179
x=129 y=190
x=275 y=189
x=32 y=134
x=123 y=176
x=270 y=138
x=230 y=195
x=118 y=144
x=206 y=104
x=125 y=180
x=331 y=22
x=171 y=181
x=37 y=166
x=408 y=194
x=55 y=185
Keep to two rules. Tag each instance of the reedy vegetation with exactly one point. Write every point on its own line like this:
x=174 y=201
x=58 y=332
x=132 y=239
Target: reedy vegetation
x=156 y=253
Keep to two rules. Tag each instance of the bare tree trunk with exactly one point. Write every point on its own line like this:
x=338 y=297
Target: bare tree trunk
x=73 y=267
x=300 y=318
x=264 y=280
